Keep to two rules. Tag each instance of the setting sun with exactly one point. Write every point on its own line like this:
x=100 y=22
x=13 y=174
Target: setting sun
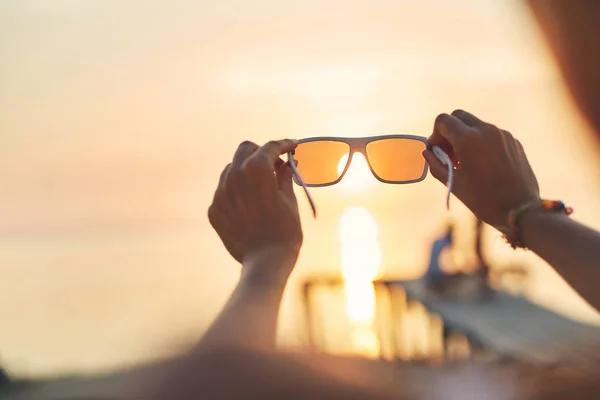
x=359 y=176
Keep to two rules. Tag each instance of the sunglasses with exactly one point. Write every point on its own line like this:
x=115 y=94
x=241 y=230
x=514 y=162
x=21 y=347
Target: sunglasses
x=392 y=159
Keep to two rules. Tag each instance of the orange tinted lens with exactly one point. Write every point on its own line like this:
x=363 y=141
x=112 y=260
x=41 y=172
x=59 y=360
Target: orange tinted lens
x=397 y=160
x=321 y=162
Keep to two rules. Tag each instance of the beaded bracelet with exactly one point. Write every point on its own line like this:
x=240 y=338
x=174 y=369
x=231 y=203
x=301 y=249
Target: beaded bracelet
x=513 y=235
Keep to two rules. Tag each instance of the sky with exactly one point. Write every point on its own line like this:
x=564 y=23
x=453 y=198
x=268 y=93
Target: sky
x=117 y=118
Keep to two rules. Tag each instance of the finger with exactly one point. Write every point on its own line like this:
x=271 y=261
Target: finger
x=275 y=148
x=468 y=118
x=278 y=164
x=218 y=198
x=438 y=169
x=448 y=132
x=223 y=176
x=244 y=150
x=284 y=179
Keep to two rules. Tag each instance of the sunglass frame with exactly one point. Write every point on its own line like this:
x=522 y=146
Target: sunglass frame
x=359 y=145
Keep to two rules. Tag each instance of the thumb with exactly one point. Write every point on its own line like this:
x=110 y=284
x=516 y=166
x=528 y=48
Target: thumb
x=438 y=169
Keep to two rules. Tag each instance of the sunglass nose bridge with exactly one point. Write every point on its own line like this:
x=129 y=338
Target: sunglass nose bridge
x=357 y=148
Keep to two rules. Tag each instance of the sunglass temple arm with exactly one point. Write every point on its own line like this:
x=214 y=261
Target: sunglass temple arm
x=301 y=182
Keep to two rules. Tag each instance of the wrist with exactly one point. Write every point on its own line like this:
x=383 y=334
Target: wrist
x=534 y=218
x=269 y=265
x=527 y=215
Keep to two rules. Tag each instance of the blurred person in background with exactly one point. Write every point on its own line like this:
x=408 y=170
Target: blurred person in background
x=256 y=215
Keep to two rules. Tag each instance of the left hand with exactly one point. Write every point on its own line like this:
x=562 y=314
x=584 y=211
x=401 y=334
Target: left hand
x=254 y=207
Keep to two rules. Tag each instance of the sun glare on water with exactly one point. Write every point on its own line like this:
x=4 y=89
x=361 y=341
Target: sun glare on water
x=361 y=259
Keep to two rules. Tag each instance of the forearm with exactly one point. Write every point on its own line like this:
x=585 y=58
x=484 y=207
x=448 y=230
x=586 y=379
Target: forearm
x=249 y=319
x=568 y=246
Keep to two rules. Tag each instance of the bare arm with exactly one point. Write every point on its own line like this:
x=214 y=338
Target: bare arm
x=256 y=215
x=249 y=319
x=571 y=29
x=570 y=247
x=495 y=178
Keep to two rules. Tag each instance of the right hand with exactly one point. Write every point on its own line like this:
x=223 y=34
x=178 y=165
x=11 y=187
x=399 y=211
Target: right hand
x=493 y=175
